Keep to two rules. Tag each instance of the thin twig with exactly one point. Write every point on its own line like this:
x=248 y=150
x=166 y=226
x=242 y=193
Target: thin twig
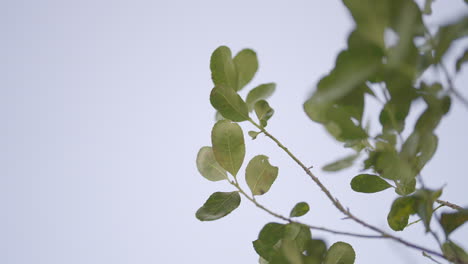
x=336 y=232
x=431 y=258
x=451 y=205
x=337 y=203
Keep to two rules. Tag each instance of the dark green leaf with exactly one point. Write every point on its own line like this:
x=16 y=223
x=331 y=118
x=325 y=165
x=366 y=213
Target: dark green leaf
x=454 y=253
x=263 y=111
x=316 y=249
x=399 y=214
x=367 y=183
x=223 y=69
x=461 y=60
x=299 y=209
x=268 y=237
x=229 y=104
x=340 y=253
x=298 y=233
x=340 y=164
x=260 y=175
x=208 y=166
x=258 y=93
x=451 y=221
x=247 y=65
x=218 y=205
x=228 y=145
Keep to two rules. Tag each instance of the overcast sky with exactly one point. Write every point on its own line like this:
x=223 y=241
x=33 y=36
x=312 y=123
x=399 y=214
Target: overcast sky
x=104 y=106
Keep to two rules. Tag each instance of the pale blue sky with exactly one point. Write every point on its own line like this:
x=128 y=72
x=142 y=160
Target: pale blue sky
x=104 y=105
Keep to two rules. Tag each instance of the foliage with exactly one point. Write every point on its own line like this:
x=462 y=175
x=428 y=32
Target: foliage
x=389 y=71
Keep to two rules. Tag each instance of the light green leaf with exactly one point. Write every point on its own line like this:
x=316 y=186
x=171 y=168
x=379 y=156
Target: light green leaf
x=447 y=34
x=340 y=253
x=340 y=164
x=427 y=7
x=424 y=205
x=223 y=69
x=262 y=261
x=260 y=175
x=208 y=166
x=254 y=134
x=263 y=111
x=218 y=205
x=218 y=116
x=228 y=145
x=298 y=233
x=291 y=252
x=247 y=65
x=368 y=183
x=229 y=104
x=461 y=60
x=258 y=93
x=454 y=253
x=399 y=214
x=451 y=221
x=299 y=209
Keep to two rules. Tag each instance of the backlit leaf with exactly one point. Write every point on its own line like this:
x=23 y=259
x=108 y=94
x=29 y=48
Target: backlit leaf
x=246 y=64
x=218 y=205
x=227 y=140
x=367 y=183
x=299 y=209
x=229 y=104
x=260 y=175
x=258 y=93
x=340 y=253
x=424 y=204
x=208 y=166
x=451 y=221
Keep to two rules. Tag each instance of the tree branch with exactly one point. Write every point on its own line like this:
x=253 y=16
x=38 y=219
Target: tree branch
x=451 y=205
x=337 y=203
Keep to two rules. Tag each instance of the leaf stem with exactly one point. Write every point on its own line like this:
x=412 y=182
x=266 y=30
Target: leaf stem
x=338 y=204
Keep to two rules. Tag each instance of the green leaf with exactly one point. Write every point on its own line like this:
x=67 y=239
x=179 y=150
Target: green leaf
x=268 y=237
x=262 y=261
x=228 y=145
x=218 y=116
x=427 y=7
x=258 y=93
x=218 y=205
x=254 y=134
x=447 y=34
x=247 y=65
x=399 y=214
x=208 y=166
x=299 y=209
x=451 y=221
x=340 y=253
x=340 y=164
x=315 y=250
x=260 y=175
x=298 y=233
x=263 y=111
x=291 y=252
x=229 y=104
x=367 y=183
x=223 y=69
x=461 y=60
x=424 y=205
x=454 y=253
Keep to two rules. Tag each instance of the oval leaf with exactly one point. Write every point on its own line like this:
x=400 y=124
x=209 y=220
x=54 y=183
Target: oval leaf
x=263 y=112
x=299 y=209
x=367 y=183
x=269 y=236
x=246 y=65
x=260 y=175
x=340 y=164
x=454 y=253
x=228 y=145
x=340 y=253
x=399 y=214
x=261 y=92
x=208 y=166
x=229 y=104
x=451 y=221
x=218 y=205
x=223 y=69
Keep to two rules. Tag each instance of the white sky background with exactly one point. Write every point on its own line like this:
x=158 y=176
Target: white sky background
x=104 y=106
